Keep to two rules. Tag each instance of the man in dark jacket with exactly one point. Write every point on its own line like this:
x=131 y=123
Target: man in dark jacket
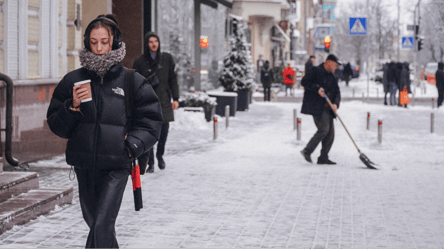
x=399 y=67
x=158 y=68
x=319 y=82
x=347 y=73
x=391 y=77
x=440 y=82
x=309 y=63
x=266 y=79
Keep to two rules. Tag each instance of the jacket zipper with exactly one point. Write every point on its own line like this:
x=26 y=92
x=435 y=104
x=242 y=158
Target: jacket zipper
x=98 y=117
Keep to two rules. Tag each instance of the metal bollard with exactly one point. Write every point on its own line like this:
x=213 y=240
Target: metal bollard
x=215 y=127
x=295 y=116
x=380 y=131
x=432 y=122
x=433 y=103
x=413 y=99
x=353 y=93
x=377 y=92
x=425 y=89
x=227 y=116
x=298 y=134
x=363 y=97
x=368 y=120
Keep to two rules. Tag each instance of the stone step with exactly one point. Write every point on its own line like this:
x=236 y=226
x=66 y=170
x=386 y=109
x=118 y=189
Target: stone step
x=21 y=209
x=15 y=183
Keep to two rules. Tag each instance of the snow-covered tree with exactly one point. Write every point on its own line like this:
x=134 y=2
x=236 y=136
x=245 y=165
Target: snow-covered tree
x=238 y=72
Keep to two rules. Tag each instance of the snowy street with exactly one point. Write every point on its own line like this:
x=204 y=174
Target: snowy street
x=252 y=188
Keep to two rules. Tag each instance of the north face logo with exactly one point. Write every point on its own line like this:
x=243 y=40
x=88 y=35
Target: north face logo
x=119 y=91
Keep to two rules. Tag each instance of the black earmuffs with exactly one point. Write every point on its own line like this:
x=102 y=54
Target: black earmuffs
x=117 y=41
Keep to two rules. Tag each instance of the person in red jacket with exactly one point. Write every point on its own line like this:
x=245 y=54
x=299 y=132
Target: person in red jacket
x=288 y=74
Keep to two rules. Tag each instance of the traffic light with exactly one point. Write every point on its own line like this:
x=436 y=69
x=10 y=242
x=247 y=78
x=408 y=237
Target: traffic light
x=420 y=42
x=327 y=41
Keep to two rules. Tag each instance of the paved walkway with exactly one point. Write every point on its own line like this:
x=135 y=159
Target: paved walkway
x=214 y=195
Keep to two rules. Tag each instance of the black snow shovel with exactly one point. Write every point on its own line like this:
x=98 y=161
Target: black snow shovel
x=363 y=157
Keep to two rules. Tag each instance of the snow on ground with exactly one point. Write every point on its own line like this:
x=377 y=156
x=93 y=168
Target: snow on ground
x=252 y=188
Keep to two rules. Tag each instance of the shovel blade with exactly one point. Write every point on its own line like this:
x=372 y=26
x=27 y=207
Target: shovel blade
x=367 y=162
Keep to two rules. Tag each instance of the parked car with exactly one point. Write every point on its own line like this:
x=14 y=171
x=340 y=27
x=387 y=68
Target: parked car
x=429 y=72
x=340 y=76
x=355 y=71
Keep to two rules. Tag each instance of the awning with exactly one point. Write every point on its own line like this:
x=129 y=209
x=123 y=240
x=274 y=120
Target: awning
x=283 y=33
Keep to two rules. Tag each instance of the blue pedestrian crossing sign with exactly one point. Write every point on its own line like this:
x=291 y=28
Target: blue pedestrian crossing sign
x=407 y=42
x=358 y=26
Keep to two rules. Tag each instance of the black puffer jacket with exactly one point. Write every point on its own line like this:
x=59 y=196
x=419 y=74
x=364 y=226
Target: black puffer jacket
x=316 y=78
x=96 y=136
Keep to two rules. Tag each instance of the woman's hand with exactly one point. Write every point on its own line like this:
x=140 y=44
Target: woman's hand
x=78 y=94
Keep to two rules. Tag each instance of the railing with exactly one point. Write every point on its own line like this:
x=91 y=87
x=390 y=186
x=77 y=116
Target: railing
x=8 y=141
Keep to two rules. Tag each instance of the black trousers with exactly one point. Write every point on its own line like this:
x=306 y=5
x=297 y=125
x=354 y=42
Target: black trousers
x=267 y=93
x=325 y=134
x=160 y=144
x=100 y=194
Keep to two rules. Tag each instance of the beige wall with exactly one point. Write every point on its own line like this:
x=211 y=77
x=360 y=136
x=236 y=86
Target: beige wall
x=247 y=8
x=260 y=37
x=91 y=9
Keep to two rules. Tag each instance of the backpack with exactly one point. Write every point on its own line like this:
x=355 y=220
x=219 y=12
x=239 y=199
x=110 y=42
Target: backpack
x=129 y=103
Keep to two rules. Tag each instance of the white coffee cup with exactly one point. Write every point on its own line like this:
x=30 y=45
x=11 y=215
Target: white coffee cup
x=85 y=84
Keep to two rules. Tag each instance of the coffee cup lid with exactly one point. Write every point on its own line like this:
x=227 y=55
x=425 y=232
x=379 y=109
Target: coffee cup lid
x=82 y=82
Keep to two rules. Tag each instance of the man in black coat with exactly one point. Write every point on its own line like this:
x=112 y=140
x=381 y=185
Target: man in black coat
x=158 y=67
x=347 y=73
x=267 y=79
x=391 y=78
x=319 y=82
x=440 y=82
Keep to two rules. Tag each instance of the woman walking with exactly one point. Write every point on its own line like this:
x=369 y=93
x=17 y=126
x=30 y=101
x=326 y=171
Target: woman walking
x=93 y=119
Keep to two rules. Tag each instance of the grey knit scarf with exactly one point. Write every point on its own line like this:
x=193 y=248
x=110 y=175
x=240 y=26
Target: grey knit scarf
x=100 y=64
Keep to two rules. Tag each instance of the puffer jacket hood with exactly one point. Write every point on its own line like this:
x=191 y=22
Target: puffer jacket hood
x=440 y=66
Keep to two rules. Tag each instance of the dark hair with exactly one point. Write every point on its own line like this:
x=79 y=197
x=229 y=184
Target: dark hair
x=312 y=56
x=106 y=21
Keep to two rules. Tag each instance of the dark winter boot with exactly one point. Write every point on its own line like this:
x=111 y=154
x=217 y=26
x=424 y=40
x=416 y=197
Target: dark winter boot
x=150 y=168
x=325 y=161
x=161 y=163
x=306 y=155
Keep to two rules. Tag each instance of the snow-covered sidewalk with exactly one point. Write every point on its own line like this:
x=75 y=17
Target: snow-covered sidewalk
x=252 y=188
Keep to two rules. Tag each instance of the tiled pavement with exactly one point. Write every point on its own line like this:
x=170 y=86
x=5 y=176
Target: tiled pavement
x=208 y=197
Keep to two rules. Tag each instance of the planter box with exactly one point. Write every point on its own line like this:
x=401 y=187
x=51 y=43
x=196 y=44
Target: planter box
x=243 y=100
x=224 y=99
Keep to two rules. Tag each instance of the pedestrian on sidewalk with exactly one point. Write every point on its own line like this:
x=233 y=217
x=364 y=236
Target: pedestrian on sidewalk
x=309 y=63
x=399 y=66
x=317 y=83
x=440 y=82
x=385 y=81
x=347 y=73
x=93 y=120
x=158 y=67
x=267 y=79
x=405 y=80
x=289 y=75
x=391 y=77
